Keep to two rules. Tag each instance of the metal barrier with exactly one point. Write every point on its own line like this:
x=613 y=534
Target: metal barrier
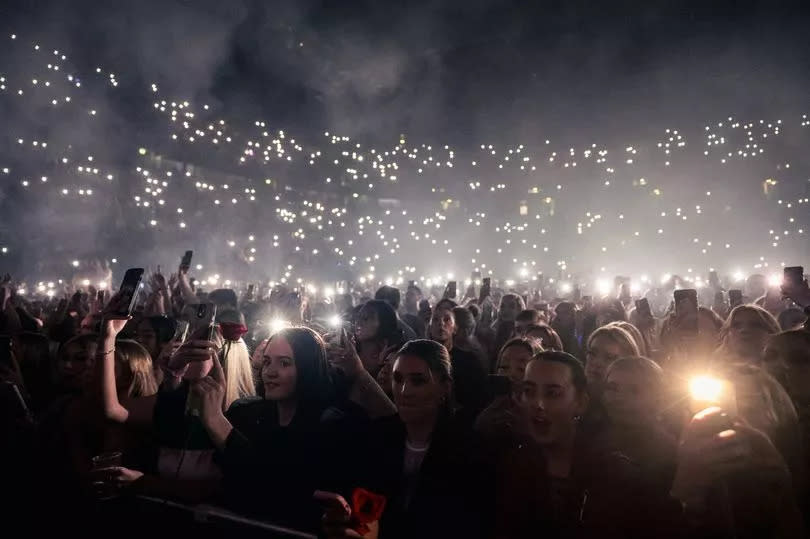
x=146 y=515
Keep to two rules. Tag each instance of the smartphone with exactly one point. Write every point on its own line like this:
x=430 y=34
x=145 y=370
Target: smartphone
x=735 y=298
x=794 y=276
x=485 y=289
x=185 y=262
x=452 y=289
x=499 y=385
x=411 y=284
x=130 y=287
x=181 y=331
x=714 y=280
x=643 y=308
x=201 y=318
x=686 y=309
x=251 y=288
x=100 y=297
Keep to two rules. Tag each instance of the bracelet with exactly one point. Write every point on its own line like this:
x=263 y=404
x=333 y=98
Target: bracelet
x=105 y=354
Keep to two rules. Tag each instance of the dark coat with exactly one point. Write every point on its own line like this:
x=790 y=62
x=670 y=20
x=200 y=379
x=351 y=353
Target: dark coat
x=605 y=497
x=445 y=501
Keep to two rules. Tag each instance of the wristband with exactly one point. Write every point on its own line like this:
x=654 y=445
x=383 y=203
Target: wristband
x=105 y=354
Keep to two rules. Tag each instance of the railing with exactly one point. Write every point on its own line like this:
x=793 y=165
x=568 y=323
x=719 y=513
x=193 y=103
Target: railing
x=145 y=514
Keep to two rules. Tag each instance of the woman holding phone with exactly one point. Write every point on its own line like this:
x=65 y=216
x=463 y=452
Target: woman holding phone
x=275 y=451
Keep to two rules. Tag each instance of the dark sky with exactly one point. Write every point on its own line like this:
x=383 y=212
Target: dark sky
x=465 y=69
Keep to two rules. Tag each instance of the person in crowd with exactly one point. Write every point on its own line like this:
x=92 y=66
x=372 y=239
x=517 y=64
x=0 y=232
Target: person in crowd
x=504 y=325
x=606 y=345
x=565 y=324
x=551 y=480
x=635 y=333
x=745 y=333
x=526 y=318
x=546 y=335
x=154 y=333
x=787 y=359
x=296 y=422
x=732 y=481
x=792 y=318
x=376 y=328
x=390 y=295
x=633 y=400
x=424 y=313
x=514 y=357
x=420 y=459
x=134 y=374
x=465 y=338
x=470 y=377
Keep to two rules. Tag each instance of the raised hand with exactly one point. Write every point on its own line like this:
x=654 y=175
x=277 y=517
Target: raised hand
x=210 y=392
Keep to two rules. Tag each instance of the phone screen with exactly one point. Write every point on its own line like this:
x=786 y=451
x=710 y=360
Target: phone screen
x=643 y=307
x=201 y=319
x=735 y=298
x=794 y=276
x=130 y=287
x=686 y=309
x=185 y=262
x=451 y=289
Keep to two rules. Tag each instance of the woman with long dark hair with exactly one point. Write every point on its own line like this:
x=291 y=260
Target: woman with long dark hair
x=376 y=329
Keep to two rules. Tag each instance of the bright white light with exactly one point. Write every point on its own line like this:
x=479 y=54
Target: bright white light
x=335 y=321
x=50 y=293
x=566 y=288
x=86 y=282
x=665 y=278
x=524 y=272
x=328 y=292
x=102 y=285
x=75 y=263
x=739 y=276
x=278 y=324
x=705 y=388
x=645 y=279
x=603 y=286
x=774 y=279
x=635 y=288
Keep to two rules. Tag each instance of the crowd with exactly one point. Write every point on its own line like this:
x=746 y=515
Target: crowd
x=496 y=412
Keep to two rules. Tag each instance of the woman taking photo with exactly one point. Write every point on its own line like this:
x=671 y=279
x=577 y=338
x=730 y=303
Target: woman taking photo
x=375 y=330
x=276 y=451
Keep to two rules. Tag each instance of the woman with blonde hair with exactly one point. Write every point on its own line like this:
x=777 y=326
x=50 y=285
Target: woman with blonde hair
x=235 y=358
x=606 y=345
x=745 y=333
x=134 y=375
x=635 y=333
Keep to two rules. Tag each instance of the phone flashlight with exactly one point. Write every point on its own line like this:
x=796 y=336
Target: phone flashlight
x=708 y=391
x=335 y=321
x=278 y=324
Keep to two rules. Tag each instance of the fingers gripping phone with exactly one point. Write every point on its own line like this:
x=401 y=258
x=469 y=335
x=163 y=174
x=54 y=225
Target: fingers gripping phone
x=185 y=262
x=130 y=287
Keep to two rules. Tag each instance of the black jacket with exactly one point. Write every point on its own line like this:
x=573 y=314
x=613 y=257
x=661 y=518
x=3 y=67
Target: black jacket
x=271 y=472
x=444 y=502
x=605 y=497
